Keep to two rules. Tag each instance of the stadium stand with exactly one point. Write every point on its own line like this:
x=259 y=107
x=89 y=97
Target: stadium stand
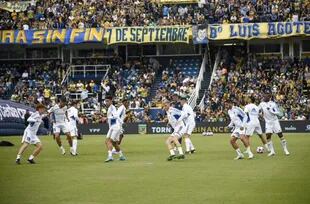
x=240 y=77
x=147 y=74
x=49 y=14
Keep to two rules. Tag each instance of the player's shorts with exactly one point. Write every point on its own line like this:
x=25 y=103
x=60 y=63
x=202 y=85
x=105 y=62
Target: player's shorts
x=251 y=128
x=114 y=133
x=273 y=127
x=60 y=127
x=189 y=128
x=178 y=131
x=237 y=132
x=30 y=138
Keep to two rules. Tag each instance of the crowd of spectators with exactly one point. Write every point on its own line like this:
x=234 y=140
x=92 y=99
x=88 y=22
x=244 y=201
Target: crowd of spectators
x=41 y=82
x=173 y=81
x=239 y=79
x=30 y=83
x=54 y=14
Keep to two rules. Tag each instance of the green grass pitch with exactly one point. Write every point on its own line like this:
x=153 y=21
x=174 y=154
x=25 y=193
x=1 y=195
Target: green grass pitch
x=209 y=176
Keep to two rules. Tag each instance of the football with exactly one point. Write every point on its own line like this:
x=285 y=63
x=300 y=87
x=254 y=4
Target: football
x=260 y=150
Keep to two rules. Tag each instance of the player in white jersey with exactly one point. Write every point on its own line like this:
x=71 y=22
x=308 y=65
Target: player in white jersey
x=115 y=127
x=271 y=112
x=237 y=121
x=188 y=117
x=173 y=115
x=30 y=135
x=73 y=117
x=121 y=112
x=60 y=123
x=253 y=124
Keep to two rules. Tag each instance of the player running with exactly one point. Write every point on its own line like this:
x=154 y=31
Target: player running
x=187 y=117
x=252 y=124
x=270 y=113
x=60 y=123
x=113 y=135
x=73 y=121
x=30 y=135
x=172 y=141
x=237 y=121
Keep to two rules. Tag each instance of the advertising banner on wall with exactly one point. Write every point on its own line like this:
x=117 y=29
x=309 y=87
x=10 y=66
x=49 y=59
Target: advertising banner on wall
x=248 y=31
x=12 y=118
x=59 y=36
x=157 y=34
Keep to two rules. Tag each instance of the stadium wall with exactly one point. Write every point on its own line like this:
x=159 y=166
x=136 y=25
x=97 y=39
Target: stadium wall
x=12 y=118
x=162 y=128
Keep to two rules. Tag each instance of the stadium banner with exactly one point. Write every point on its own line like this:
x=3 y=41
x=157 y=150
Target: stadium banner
x=102 y=128
x=138 y=35
x=12 y=118
x=200 y=34
x=215 y=127
x=60 y=36
x=247 y=31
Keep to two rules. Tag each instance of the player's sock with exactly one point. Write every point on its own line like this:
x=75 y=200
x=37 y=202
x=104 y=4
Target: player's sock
x=31 y=157
x=110 y=154
x=62 y=149
x=267 y=148
x=191 y=145
x=284 y=145
x=172 y=152
x=120 y=153
x=187 y=144
x=238 y=152
x=180 y=150
x=18 y=156
x=248 y=150
x=74 y=145
x=270 y=145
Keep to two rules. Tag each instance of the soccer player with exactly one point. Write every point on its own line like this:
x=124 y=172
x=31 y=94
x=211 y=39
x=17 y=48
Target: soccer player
x=30 y=135
x=271 y=112
x=237 y=121
x=113 y=135
x=73 y=120
x=188 y=117
x=60 y=123
x=173 y=115
x=252 y=123
x=121 y=112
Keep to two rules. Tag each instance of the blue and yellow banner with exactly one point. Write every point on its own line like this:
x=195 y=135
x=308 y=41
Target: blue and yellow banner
x=61 y=36
x=248 y=31
x=158 y=34
x=161 y=34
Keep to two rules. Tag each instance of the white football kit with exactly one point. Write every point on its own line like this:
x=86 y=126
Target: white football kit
x=30 y=133
x=73 y=117
x=114 y=124
x=173 y=115
x=252 y=124
x=121 y=112
x=188 y=117
x=271 y=111
x=237 y=120
x=59 y=118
